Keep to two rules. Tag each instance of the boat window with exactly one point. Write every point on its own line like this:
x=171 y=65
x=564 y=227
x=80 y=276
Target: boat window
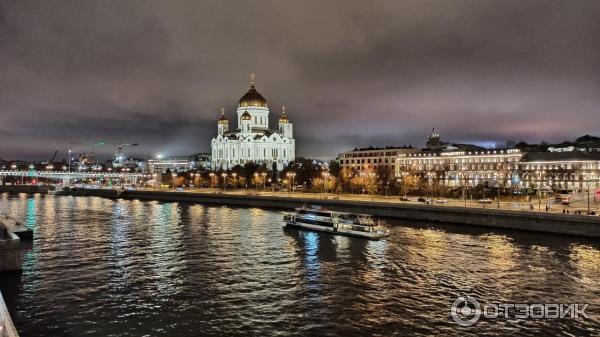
x=316 y=213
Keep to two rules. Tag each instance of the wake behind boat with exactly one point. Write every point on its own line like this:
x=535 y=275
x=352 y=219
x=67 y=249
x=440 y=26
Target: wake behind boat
x=315 y=218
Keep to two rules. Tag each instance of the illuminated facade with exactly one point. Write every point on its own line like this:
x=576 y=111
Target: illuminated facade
x=455 y=165
x=372 y=159
x=252 y=140
x=560 y=171
x=463 y=167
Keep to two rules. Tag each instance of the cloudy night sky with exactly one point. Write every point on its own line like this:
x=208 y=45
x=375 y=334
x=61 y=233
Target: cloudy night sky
x=350 y=73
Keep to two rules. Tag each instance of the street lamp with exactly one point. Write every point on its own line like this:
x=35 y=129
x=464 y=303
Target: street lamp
x=224 y=175
x=174 y=175
x=234 y=175
x=212 y=180
x=69 y=161
x=325 y=179
x=264 y=178
x=256 y=181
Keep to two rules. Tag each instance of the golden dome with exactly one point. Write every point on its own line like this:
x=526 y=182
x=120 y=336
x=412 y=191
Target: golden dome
x=246 y=116
x=283 y=118
x=223 y=119
x=253 y=97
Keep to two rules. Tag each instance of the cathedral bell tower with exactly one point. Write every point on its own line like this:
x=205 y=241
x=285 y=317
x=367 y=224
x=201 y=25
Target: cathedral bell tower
x=223 y=123
x=285 y=127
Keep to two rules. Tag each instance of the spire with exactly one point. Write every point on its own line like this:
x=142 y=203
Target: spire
x=283 y=118
x=252 y=79
x=223 y=119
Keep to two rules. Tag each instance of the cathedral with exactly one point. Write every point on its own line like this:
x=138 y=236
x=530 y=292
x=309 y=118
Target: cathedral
x=253 y=140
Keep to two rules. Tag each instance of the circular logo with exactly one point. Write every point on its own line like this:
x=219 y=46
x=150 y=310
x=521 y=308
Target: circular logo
x=465 y=311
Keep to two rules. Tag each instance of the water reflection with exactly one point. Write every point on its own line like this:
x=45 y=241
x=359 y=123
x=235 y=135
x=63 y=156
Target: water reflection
x=131 y=268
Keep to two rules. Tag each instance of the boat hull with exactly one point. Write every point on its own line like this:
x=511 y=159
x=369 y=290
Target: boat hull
x=346 y=232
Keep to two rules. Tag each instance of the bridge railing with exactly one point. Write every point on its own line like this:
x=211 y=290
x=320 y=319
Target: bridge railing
x=63 y=174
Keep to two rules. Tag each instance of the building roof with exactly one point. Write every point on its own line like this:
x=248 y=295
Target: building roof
x=252 y=99
x=560 y=156
x=374 y=148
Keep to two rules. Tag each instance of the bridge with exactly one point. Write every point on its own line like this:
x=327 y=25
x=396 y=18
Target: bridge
x=67 y=176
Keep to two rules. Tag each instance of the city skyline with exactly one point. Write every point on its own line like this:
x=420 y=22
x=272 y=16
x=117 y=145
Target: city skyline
x=355 y=75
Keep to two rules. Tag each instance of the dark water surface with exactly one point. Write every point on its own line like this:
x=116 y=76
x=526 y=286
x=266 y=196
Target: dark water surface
x=129 y=268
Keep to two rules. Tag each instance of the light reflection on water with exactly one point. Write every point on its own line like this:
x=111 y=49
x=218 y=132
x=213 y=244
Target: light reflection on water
x=129 y=268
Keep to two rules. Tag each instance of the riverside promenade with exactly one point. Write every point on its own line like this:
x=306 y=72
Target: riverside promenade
x=514 y=219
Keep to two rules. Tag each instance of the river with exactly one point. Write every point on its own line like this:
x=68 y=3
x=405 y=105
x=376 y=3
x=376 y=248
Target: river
x=102 y=267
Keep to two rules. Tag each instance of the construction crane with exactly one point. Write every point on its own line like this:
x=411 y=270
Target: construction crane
x=118 y=154
x=51 y=160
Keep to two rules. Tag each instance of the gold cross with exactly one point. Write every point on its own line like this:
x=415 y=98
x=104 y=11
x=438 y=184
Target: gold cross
x=252 y=76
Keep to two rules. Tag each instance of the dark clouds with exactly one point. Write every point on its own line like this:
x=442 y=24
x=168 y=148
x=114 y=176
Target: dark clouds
x=351 y=73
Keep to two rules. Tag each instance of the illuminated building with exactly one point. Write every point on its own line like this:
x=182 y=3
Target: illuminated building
x=460 y=167
x=199 y=161
x=252 y=140
x=560 y=171
x=372 y=158
x=451 y=164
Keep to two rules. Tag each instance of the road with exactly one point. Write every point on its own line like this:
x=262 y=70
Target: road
x=578 y=202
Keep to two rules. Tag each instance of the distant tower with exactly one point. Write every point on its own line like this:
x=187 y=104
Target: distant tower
x=433 y=141
x=223 y=123
x=285 y=127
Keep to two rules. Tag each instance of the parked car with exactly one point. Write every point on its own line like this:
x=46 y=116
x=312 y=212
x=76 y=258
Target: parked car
x=565 y=201
x=485 y=201
x=441 y=201
x=421 y=199
x=404 y=199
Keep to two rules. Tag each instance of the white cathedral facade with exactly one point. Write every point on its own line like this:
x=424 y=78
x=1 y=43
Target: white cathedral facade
x=252 y=140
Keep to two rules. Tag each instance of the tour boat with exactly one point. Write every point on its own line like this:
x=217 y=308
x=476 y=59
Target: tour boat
x=319 y=219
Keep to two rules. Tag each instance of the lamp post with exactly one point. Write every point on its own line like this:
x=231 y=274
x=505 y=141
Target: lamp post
x=224 y=175
x=325 y=179
x=264 y=178
x=540 y=177
x=293 y=180
x=174 y=175
x=498 y=190
x=588 y=191
x=235 y=182
x=69 y=161
x=256 y=181
x=212 y=180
